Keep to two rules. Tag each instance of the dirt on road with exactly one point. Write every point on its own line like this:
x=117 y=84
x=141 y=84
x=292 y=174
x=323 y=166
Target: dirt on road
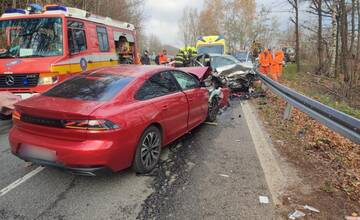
x=215 y=174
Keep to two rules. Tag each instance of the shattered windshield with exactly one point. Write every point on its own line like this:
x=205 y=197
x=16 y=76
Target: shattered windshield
x=31 y=37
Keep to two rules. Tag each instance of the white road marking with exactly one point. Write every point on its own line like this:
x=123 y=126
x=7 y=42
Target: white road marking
x=273 y=175
x=20 y=181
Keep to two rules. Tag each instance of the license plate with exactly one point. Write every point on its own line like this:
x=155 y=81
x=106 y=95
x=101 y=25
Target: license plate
x=35 y=152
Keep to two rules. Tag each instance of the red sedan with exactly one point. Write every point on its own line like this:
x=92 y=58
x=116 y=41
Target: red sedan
x=108 y=119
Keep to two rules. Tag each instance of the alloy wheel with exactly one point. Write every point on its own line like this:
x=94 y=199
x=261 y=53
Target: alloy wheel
x=150 y=150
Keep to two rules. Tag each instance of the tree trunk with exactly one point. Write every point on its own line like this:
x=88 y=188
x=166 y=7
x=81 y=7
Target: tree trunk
x=344 y=41
x=352 y=40
x=358 y=32
x=334 y=35
x=298 y=66
x=337 y=54
x=320 y=48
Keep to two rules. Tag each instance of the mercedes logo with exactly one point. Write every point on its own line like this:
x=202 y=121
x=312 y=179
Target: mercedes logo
x=9 y=80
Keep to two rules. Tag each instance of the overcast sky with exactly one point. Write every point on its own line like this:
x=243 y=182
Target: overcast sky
x=162 y=16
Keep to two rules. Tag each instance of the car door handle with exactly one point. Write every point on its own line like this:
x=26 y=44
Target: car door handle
x=164 y=107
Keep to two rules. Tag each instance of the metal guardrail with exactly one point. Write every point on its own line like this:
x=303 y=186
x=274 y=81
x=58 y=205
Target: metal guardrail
x=337 y=121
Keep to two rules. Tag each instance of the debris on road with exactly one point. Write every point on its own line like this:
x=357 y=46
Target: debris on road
x=224 y=175
x=296 y=214
x=352 y=218
x=264 y=199
x=311 y=208
x=211 y=123
x=28 y=164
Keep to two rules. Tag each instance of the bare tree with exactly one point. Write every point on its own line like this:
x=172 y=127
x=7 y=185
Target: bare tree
x=352 y=38
x=333 y=50
x=317 y=6
x=189 y=26
x=295 y=5
x=344 y=39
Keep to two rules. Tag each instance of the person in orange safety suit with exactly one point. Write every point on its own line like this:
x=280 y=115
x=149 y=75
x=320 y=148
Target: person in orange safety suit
x=276 y=66
x=265 y=60
x=163 y=58
x=279 y=57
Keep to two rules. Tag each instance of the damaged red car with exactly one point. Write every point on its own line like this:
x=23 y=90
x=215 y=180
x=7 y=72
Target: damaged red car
x=109 y=119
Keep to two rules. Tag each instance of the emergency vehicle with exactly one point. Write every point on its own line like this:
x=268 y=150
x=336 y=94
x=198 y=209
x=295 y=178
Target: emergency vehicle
x=40 y=47
x=211 y=44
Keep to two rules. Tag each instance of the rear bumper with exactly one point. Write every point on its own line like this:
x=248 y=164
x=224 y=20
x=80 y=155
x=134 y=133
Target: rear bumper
x=81 y=157
x=84 y=171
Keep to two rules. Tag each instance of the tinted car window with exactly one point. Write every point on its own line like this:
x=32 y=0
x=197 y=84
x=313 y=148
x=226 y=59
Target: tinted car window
x=221 y=61
x=92 y=87
x=185 y=81
x=158 y=85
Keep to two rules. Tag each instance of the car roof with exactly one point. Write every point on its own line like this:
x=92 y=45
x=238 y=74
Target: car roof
x=135 y=71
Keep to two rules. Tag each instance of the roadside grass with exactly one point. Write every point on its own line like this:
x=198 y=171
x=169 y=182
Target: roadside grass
x=341 y=106
x=289 y=72
x=311 y=86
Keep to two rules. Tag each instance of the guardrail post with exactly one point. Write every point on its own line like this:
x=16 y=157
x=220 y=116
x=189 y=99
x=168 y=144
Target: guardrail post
x=287 y=112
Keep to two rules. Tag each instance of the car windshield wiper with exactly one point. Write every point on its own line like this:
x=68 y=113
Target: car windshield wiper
x=6 y=55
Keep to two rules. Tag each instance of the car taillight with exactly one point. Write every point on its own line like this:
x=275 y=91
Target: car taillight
x=94 y=125
x=16 y=115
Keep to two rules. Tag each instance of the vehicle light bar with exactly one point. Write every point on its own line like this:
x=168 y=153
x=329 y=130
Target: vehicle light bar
x=55 y=8
x=201 y=38
x=15 y=11
x=34 y=9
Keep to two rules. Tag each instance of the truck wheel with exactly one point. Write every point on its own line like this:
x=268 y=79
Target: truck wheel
x=148 y=150
x=213 y=109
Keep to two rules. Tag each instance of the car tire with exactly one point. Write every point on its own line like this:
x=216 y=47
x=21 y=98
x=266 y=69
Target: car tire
x=213 y=110
x=148 y=150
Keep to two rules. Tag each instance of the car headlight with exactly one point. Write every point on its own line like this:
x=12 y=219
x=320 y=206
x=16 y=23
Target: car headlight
x=48 y=80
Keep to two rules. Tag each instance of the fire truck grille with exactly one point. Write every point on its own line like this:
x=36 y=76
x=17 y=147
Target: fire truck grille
x=18 y=80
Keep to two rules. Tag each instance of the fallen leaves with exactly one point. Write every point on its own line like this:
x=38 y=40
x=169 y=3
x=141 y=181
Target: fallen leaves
x=337 y=154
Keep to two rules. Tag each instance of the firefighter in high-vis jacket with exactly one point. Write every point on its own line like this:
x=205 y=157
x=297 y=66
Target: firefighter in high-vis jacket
x=185 y=56
x=180 y=58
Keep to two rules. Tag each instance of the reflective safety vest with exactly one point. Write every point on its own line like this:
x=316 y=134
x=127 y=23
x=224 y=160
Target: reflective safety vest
x=180 y=58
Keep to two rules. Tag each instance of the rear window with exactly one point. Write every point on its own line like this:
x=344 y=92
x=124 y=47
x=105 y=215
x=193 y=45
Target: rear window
x=92 y=87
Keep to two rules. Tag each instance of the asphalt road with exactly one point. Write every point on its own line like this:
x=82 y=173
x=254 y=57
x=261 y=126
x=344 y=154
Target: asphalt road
x=212 y=173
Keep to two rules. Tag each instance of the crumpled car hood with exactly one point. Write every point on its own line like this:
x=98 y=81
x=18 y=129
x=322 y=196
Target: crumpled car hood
x=231 y=69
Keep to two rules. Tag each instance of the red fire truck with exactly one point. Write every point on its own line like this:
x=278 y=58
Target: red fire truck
x=39 y=48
